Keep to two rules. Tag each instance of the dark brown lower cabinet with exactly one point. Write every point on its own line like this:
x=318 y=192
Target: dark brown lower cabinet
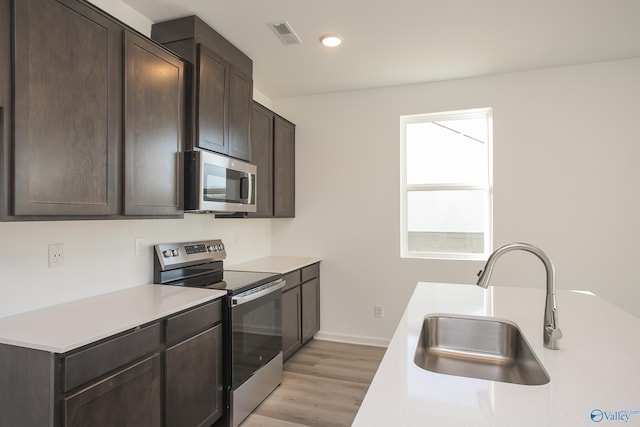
x=194 y=380
x=121 y=380
x=300 y=308
x=310 y=308
x=291 y=331
x=130 y=397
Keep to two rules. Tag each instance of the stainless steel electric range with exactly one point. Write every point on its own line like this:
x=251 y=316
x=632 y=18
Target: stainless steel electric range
x=252 y=324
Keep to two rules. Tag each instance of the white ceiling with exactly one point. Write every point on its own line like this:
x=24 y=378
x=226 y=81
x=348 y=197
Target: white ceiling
x=411 y=41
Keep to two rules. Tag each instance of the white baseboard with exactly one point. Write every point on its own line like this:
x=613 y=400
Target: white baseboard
x=352 y=339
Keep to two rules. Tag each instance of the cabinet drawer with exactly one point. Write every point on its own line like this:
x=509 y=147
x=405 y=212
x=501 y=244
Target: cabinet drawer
x=98 y=360
x=188 y=323
x=130 y=397
x=292 y=279
x=310 y=272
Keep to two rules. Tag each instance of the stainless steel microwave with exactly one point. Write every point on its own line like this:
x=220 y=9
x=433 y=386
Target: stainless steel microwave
x=216 y=183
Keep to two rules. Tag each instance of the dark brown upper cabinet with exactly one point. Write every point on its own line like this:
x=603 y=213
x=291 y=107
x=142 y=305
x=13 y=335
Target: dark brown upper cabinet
x=67 y=72
x=153 y=124
x=92 y=116
x=262 y=150
x=222 y=89
x=211 y=80
x=240 y=101
x=273 y=148
x=284 y=168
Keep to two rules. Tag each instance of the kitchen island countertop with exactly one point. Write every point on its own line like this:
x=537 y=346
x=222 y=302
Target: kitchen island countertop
x=274 y=264
x=65 y=327
x=594 y=375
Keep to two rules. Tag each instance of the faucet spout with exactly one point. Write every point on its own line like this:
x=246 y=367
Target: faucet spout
x=551 y=332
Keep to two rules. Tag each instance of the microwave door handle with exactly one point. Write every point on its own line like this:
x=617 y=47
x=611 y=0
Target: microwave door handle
x=250 y=188
x=245 y=187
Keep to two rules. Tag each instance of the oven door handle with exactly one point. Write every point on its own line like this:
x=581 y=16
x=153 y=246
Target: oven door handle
x=245 y=297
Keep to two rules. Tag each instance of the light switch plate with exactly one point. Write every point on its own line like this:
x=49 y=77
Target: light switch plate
x=139 y=246
x=379 y=311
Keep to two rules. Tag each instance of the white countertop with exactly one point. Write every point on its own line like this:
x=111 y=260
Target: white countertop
x=595 y=369
x=64 y=327
x=274 y=264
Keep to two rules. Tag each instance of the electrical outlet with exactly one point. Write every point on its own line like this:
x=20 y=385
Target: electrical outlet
x=379 y=311
x=56 y=255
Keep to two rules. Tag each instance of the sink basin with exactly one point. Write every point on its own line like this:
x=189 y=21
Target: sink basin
x=478 y=347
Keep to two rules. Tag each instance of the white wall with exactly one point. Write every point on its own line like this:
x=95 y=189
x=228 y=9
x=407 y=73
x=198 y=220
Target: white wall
x=126 y=14
x=566 y=146
x=100 y=255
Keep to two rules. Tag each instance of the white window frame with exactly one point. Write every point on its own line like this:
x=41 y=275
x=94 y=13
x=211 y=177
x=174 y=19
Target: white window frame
x=405 y=188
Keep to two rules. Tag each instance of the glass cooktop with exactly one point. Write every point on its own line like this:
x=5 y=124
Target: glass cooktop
x=238 y=281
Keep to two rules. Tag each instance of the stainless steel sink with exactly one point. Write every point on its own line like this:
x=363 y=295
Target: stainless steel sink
x=478 y=347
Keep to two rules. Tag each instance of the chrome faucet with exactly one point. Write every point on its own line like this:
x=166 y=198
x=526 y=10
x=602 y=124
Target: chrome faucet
x=551 y=332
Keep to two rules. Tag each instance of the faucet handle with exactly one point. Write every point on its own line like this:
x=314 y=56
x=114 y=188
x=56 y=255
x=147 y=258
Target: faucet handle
x=554 y=333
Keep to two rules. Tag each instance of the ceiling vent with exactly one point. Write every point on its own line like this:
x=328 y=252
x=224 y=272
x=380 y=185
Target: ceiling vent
x=285 y=33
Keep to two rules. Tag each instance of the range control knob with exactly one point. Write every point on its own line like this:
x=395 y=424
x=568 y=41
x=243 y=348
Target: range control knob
x=167 y=253
x=175 y=252
x=210 y=248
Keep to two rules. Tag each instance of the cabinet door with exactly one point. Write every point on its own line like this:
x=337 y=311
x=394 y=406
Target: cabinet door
x=291 y=332
x=154 y=96
x=211 y=103
x=310 y=309
x=240 y=101
x=129 y=398
x=68 y=108
x=194 y=380
x=262 y=157
x=284 y=165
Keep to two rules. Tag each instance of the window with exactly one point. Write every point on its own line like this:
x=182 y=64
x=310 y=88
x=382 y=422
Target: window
x=446 y=185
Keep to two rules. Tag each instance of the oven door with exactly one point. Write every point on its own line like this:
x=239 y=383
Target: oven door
x=256 y=330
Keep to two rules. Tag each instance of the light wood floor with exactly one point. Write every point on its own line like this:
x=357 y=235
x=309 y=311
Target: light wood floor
x=324 y=384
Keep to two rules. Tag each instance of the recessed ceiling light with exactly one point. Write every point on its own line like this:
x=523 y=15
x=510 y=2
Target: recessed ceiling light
x=330 y=40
